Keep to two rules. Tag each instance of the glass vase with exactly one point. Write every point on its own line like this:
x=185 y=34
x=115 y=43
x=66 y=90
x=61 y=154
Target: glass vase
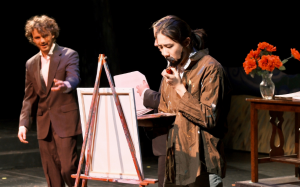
x=267 y=87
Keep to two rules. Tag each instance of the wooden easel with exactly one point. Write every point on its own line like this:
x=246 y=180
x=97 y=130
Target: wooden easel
x=89 y=133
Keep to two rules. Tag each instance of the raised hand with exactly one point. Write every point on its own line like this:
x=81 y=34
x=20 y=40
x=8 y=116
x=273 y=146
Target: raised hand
x=141 y=87
x=174 y=81
x=60 y=86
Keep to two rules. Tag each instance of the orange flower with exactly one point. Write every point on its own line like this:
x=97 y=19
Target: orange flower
x=266 y=63
x=269 y=62
x=249 y=65
x=276 y=61
x=295 y=54
x=253 y=54
x=266 y=46
x=263 y=62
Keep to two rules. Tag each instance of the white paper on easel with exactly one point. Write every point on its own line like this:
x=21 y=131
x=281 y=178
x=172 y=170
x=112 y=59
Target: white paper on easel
x=131 y=80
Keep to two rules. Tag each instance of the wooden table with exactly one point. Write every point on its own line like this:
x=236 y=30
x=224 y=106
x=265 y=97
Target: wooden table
x=147 y=120
x=276 y=109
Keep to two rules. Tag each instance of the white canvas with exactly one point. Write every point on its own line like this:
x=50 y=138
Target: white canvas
x=111 y=154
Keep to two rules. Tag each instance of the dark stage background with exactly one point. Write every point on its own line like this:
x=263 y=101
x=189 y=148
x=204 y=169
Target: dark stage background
x=121 y=30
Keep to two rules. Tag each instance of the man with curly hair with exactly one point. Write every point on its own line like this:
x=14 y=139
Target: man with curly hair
x=52 y=76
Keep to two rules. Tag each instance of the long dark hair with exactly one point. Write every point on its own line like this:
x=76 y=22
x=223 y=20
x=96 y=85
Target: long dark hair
x=178 y=30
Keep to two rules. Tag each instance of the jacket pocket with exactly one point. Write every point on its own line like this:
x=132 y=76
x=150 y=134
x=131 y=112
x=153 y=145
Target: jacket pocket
x=69 y=107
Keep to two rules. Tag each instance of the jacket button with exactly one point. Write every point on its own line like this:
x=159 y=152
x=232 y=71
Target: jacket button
x=49 y=108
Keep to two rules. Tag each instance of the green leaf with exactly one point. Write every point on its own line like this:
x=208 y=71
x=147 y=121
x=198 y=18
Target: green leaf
x=259 y=73
x=264 y=53
x=282 y=68
x=284 y=61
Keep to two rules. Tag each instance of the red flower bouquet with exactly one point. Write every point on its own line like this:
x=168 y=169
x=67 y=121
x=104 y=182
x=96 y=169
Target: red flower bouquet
x=262 y=60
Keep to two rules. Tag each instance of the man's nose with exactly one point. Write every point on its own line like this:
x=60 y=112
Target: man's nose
x=165 y=52
x=155 y=43
x=42 y=39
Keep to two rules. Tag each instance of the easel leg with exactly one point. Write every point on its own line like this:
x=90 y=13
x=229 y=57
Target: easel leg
x=90 y=122
x=123 y=121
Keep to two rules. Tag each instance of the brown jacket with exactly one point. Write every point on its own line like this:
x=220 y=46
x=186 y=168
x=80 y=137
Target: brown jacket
x=194 y=145
x=59 y=108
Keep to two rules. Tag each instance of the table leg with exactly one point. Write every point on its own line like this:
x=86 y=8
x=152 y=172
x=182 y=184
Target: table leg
x=297 y=126
x=254 y=143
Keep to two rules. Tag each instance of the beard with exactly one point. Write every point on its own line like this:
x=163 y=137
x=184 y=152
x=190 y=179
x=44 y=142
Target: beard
x=173 y=62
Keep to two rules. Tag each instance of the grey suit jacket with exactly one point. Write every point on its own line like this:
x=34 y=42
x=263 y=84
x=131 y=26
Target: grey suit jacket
x=151 y=99
x=60 y=109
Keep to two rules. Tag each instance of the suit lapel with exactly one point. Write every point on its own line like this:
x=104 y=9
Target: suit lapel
x=54 y=62
x=39 y=79
x=43 y=85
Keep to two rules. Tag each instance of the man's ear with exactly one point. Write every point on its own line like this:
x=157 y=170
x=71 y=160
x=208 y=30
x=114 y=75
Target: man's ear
x=187 y=42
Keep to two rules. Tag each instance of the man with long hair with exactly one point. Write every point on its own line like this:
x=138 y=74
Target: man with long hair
x=198 y=92
x=52 y=76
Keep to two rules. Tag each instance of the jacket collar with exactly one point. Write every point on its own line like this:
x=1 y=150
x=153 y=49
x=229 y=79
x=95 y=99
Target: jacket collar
x=194 y=58
x=198 y=55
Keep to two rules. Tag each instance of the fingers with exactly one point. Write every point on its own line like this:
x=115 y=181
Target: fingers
x=55 y=88
x=167 y=75
x=60 y=85
x=138 y=89
x=170 y=82
x=145 y=85
x=174 y=70
x=171 y=79
x=22 y=136
x=58 y=82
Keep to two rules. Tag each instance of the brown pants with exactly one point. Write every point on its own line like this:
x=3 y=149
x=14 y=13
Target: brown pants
x=161 y=170
x=59 y=159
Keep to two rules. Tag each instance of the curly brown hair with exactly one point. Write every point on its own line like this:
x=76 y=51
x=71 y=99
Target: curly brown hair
x=43 y=24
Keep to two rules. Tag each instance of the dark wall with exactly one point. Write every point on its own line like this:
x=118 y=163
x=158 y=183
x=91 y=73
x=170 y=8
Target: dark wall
x=121 y=30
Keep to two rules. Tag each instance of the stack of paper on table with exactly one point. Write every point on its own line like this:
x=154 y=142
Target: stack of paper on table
x=156 y=115
x=290 y=96
x=131 y=80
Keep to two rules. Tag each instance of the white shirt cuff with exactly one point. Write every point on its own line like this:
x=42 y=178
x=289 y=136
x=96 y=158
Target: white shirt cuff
x=69 y=88
x=144 y=93
x=23 y=127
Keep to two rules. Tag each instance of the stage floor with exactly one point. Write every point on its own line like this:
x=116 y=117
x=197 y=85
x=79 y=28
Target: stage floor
x=238 y=169
x=287 y=181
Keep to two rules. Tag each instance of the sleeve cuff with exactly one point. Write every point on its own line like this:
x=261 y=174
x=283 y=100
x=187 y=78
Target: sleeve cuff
x=22 y=127
x=69 y=87
x=144 y=93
